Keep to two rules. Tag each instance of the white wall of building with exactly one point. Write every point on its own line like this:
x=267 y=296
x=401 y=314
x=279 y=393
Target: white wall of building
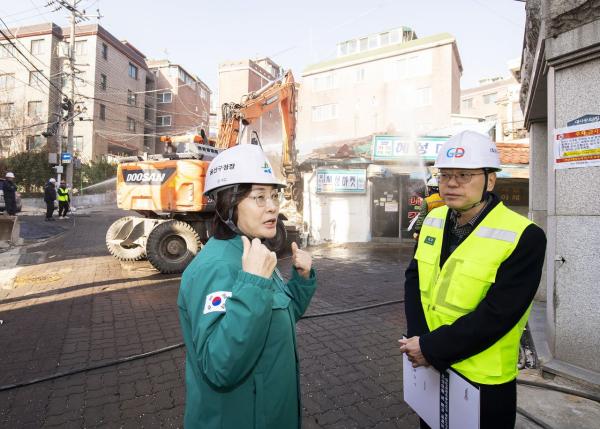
x=336 y=218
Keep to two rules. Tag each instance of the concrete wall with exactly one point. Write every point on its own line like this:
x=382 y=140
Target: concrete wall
x=538 y=186
x=342 y=218
x=577 y=223
x=573 y=203
x=78 y=201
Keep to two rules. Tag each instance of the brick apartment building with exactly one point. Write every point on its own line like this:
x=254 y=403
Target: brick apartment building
x=237 y=79
x=112 y=80
x=182 y=100
x=26 y=98
x=497 y=100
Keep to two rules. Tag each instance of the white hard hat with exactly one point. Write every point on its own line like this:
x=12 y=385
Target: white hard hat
x=432 y=182
x=52 y=180
x=468 y=149
x=244 y=163
x=10 y=175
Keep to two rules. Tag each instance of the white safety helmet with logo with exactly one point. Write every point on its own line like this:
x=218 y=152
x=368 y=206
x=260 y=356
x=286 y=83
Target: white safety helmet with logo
x=469 y=149
x=241 y=164
x=432 y=182
x=244 y=163
x=10 y=175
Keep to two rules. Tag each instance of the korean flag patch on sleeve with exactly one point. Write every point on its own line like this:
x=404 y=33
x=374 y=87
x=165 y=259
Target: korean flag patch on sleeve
x=216 y=302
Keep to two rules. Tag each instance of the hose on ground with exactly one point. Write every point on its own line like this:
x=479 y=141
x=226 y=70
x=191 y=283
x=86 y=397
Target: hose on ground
x=527 y=415
x=166 y=349
x=352 y=310
x=89 y=368
x=586 y=395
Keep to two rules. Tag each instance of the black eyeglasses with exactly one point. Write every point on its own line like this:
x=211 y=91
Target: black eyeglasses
x=261 y=199
x=461 y=178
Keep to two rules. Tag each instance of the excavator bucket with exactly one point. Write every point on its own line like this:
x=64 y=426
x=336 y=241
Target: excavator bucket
x=9 y=230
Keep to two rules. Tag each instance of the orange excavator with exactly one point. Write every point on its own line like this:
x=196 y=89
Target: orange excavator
x=167 y=190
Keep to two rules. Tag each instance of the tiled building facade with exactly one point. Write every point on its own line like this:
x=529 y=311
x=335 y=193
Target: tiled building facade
x=26 y=98
x=389 y=82
x=497 y=100
x=121 y=106
x=182 y=100
x=239 y=78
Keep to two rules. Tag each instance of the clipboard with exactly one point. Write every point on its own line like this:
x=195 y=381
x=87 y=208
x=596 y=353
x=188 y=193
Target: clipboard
x=443 y=400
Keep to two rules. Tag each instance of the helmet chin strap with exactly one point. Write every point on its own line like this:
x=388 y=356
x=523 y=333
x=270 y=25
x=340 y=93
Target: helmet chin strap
x=462 y=210
x=229 y=221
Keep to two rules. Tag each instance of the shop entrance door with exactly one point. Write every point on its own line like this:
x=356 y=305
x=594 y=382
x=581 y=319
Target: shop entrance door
x=385 y=218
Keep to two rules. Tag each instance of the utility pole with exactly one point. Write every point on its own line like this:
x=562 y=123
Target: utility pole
x=59 y=141
x=71 y=124
x=76 y=15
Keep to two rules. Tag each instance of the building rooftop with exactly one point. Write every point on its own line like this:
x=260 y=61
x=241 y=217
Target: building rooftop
x=386 y=51
x=164 y=63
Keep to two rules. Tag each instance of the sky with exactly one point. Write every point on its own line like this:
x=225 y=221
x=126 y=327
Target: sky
x=200 y=34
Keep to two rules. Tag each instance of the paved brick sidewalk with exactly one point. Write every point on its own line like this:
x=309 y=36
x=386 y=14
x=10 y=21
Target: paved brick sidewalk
x=78 y=307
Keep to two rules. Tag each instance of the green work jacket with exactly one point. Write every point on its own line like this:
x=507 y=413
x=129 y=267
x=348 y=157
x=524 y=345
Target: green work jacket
x=240 y=336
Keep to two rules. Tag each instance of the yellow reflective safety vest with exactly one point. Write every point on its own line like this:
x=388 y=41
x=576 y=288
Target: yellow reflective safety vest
x=434 y=201
x=458 y=287
x=62 y=194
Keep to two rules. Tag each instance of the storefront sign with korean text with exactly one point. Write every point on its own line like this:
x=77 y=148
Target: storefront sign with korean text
x=389 y=148
x=353 y=181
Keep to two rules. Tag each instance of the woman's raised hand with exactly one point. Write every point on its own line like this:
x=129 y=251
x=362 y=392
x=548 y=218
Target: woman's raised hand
x=257 y=259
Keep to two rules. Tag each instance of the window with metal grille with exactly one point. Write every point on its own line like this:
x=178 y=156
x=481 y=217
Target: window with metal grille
x=131 y=124
x=133 y=71
x=164 y=97
x=34 y=109
x=37 y=47
x=131 y=98
x=163 y=121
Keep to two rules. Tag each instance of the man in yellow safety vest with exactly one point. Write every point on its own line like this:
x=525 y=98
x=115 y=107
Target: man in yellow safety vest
x=469 y=288
x=432 y=201
x=64 y=200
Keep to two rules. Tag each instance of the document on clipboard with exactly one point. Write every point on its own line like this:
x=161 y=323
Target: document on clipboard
x=422 y=391
x=443 y=401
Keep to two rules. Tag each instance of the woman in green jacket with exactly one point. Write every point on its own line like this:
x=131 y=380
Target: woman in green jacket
x=237 y=313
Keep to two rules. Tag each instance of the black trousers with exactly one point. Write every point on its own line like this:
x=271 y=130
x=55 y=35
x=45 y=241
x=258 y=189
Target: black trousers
x=63 y=208
x=498 y=406
x=49 y=209
x=11 y=206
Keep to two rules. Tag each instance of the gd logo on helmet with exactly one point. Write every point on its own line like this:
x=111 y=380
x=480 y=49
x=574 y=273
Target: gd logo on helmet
x=455 y=152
